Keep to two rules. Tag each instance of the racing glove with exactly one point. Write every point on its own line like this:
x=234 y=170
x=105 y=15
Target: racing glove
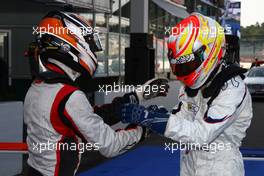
x=155 y=120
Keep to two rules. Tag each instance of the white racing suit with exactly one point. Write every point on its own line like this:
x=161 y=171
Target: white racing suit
x=46 y=128
x=213 y=134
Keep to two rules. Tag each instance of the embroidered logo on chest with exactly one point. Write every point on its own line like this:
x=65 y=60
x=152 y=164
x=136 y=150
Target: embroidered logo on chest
x=193 y=107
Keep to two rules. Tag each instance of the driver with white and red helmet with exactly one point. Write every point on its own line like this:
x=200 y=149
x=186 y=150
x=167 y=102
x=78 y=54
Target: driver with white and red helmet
x=57 y=113
x=214 y=109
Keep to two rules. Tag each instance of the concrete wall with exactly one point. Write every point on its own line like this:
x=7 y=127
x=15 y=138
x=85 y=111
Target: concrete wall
x=11 y=127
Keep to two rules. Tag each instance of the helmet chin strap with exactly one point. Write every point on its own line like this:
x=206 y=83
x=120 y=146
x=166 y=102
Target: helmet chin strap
x=193 y=92
x=70 y=73
x=212 y=76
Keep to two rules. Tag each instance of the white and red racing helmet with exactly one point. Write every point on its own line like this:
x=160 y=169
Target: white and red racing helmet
x=196 y=47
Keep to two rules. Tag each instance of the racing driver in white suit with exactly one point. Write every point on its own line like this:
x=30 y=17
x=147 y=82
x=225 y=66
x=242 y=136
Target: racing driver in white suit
x=214 y=109
x=57 y=112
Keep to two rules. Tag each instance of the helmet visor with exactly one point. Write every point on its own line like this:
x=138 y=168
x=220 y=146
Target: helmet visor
x=97 y=42
x=185 y=65
x=94 y=42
